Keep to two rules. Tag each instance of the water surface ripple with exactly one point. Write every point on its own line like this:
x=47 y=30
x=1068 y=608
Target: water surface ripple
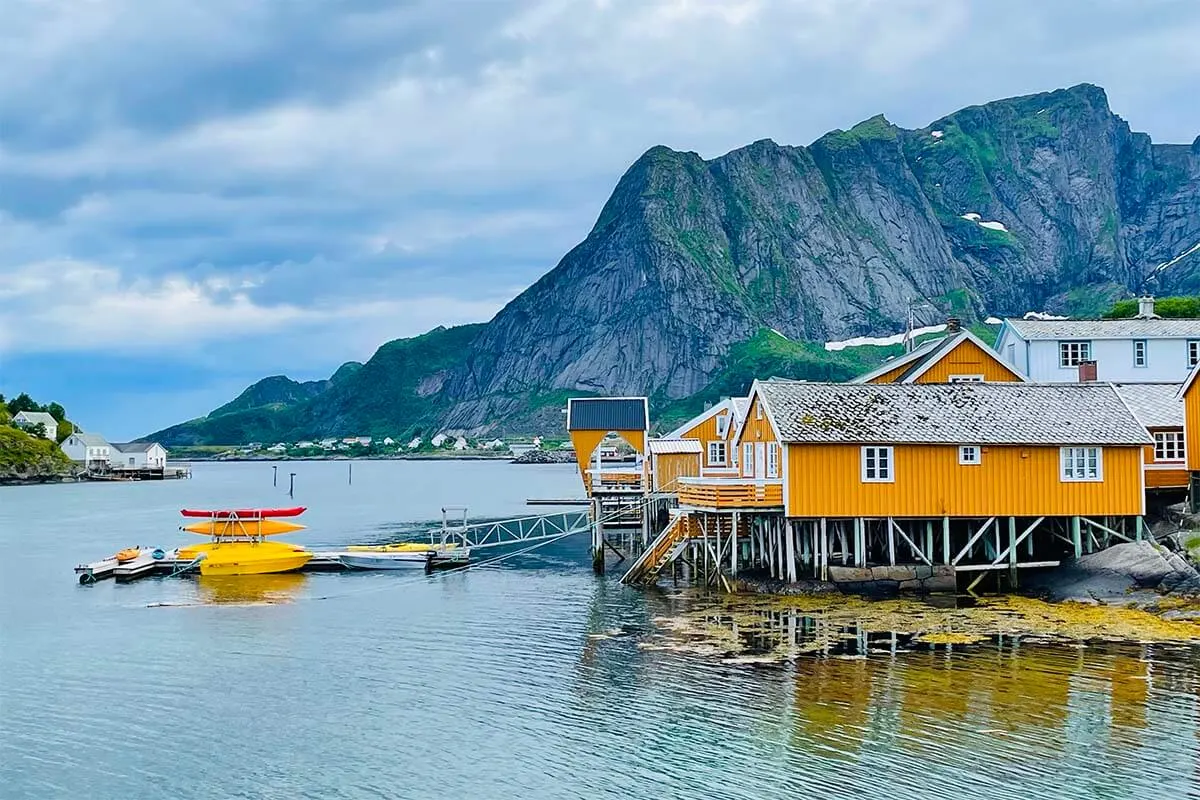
x=533 y=679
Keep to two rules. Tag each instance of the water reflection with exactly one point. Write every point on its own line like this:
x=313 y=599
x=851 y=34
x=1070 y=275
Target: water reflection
x=282 y=587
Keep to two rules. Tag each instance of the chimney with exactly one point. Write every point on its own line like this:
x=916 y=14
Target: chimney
x=1087 y=371
x=953 y=325
x=1146 y=307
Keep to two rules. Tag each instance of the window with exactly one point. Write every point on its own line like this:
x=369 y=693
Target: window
x=716 y=454
x=969 y=454
x=733 y=456
x=1168 y=446
x=1139 y=352
x=758 y=411
x=722 y=425
x=1071 y=353
x=772 y=459
x=877 y=465
x=966 y=379
x=748 y=458
x=1082 y=464
x=1193 y=352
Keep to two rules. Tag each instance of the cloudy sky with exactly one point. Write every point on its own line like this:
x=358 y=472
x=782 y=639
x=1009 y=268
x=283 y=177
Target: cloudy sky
x=197 y=194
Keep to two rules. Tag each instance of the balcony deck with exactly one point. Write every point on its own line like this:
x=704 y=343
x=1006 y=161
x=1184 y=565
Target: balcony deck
x=730 y=494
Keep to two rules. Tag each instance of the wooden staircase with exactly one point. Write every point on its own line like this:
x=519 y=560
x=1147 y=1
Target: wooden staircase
x=662 y=551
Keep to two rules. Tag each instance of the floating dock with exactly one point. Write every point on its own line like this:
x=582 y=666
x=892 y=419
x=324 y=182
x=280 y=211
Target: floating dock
x=170 y=563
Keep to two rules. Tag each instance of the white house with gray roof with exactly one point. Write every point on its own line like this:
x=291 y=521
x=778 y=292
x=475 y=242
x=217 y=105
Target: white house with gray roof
x=139 y=455
x=26 y=420
x=1142 y=349
x=89 y=449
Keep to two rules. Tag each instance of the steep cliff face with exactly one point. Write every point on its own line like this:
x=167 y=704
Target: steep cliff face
x=995 y=209
x=1040 y=202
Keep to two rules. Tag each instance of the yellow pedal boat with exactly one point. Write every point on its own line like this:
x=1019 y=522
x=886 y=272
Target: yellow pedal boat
x=247 y=558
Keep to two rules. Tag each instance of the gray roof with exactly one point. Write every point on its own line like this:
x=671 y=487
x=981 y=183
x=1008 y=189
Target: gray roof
x=607 y=414
x=34 y=417
x=134 y=447
x=1135 y=328
x=919 y=352
x=670 y=446
x=952 y=413
x=1156 y=405
x=740 y=406
x=91 y=439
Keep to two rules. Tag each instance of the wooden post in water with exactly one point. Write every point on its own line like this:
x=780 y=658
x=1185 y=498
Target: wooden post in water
x=350 y=473
x=1076 y=536
x=946 y=540
x=292 y=484
x=274 y=474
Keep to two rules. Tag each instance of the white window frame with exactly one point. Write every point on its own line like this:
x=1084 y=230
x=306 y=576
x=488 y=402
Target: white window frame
x=1169 y=446
x=1081 y=464
x=880 y=459
x=772 y=459
x=722 y=425
x=714 y=460
x=748 y=460
x=1193 y=352
x=1140 y=353
x=970 y=455
x=966 y=379
x=758 y=412
x=1073 y=352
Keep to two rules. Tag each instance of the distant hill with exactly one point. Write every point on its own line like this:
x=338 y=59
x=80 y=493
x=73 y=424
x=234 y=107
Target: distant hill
x=1043 y=202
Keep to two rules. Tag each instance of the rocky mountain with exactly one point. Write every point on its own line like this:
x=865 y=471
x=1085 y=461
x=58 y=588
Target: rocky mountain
x=1048 y=201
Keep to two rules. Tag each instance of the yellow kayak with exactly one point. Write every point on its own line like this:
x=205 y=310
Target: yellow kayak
x=247 y=558
x=232 y=528
x=399 y=547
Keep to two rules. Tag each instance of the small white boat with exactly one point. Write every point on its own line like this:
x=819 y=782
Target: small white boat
x=402 y=559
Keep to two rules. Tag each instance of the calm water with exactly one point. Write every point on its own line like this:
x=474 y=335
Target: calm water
x=494 y=682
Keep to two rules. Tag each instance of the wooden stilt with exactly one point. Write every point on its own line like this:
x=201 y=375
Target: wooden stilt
x=1012 y=552
x=891 y=541
x=929 y=541
x=790 y=535
x=733 y=549
x=1077 y=536
x=824 y=550
x=945 y=540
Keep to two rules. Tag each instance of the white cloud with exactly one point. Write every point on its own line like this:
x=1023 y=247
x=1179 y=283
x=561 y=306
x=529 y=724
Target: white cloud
x=79 y=306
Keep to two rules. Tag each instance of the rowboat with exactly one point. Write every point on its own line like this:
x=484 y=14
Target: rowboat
x=408 y=559
x=244 y=513
x=230 y=527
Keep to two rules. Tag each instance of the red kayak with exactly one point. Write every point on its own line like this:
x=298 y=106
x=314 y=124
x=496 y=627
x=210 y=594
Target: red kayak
x=245 y=513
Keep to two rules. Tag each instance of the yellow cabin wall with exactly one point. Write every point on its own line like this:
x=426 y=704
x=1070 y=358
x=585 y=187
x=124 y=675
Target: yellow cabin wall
x=892 y=374
x=1191 y=425
x=825 y=481
x=706 y=431
x=670 y=466
x=968 y=358
x=755 y=429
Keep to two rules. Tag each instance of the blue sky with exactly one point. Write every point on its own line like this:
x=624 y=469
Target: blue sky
x=195 y=195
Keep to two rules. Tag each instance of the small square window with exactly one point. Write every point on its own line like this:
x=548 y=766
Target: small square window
x=1082 y=464
x=1139 y=352
x=1168 y=446
x=1193 y=352
x=877 y=465
x=1070 y=354
x=969 y=454
x=966 y=379
x=716 y=454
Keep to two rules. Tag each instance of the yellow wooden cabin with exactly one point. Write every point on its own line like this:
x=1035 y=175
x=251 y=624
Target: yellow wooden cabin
x=958 y=357
x=949 y=477
x=1161 y=411
x=592 y=420
x=714 y=430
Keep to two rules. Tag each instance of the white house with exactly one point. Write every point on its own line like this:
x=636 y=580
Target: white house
x=89 y=449
x=138 y=455
x=460 y=443
x=438 y=440
x=388 y=441
x=365 y=441
x=305 y=445
x=415 y=443
x=1142 y=349
x=28 y=419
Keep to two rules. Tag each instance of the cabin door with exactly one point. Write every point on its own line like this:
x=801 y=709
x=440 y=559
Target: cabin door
x=760 y=459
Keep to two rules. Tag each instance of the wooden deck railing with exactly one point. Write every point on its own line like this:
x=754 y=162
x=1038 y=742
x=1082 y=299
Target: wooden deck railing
x=730 y=493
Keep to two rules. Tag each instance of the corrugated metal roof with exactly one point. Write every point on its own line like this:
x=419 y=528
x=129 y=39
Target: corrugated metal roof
x=1156 y=405
x=1106 y=328
x=667 y=446
x=952 y=413
x=133 y=447
x=607 y=414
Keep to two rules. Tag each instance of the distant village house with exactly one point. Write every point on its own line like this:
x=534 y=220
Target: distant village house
x=28 y=420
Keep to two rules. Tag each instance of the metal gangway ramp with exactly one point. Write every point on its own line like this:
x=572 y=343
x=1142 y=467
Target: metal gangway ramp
x=522 y=530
